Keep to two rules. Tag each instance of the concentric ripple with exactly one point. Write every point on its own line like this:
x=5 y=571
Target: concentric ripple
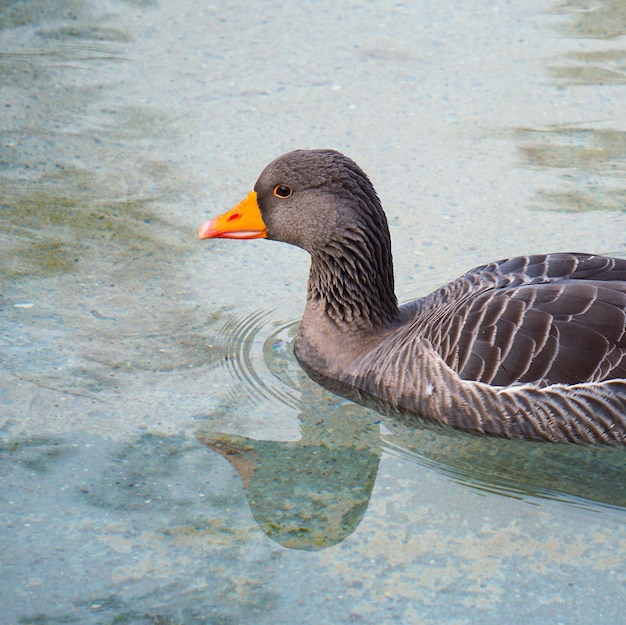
x=258 y=352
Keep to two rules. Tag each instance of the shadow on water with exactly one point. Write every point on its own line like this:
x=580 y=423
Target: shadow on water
x=592 y=164
x=91 y=259
x=156 y=510
x=312 y=493
x=590 y=161
x=591 y=68
x=16 y=13
x=90 y=288
x=606 y=20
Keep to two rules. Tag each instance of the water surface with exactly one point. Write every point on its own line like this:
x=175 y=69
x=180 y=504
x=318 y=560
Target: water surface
x=163 y=458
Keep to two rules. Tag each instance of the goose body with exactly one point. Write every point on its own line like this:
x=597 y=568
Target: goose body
x=528 y=347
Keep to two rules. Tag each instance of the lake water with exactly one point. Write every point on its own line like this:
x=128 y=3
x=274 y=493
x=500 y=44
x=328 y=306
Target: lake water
x=163 y=458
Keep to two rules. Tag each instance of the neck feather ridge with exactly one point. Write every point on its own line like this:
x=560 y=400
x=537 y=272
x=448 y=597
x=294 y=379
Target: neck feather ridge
x=353 y=280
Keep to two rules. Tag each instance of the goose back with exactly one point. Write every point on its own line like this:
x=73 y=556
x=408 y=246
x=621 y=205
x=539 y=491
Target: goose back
x=543 y=319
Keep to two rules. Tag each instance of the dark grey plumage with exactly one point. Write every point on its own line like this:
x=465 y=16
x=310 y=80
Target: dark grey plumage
x=529 y=347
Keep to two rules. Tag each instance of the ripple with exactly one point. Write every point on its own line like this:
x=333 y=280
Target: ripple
x=258 y=353
x=584 y=476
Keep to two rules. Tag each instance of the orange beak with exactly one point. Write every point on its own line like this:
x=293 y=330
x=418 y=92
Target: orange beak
x=244 y=221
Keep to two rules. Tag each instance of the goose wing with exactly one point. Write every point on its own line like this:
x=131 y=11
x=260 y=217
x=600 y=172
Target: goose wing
x=556 y=318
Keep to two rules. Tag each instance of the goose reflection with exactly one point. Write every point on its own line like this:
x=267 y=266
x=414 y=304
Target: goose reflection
x=312 y=493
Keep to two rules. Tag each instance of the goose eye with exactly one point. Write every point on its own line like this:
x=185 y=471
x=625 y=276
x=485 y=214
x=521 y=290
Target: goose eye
x=282 y=190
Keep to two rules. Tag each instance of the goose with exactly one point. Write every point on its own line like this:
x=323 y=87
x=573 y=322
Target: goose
x=528 y=347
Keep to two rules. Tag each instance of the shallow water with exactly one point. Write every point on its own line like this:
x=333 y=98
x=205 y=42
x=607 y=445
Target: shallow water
x=163 y=458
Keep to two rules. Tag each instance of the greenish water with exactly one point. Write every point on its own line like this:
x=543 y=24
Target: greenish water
x=163 y=458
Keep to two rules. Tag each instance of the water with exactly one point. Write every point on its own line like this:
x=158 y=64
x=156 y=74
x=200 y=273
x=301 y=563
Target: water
x=163 y=458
